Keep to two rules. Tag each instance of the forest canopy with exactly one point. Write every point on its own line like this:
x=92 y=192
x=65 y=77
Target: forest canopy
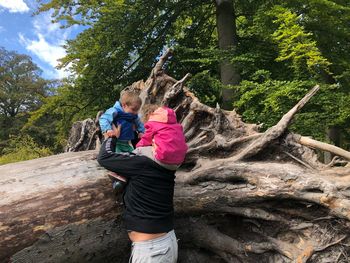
x=264 y=59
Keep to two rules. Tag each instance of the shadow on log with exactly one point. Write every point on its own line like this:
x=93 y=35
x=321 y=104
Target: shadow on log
x=241 y=195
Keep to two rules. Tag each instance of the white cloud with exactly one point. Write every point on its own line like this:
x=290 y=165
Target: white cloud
x=14 y=6
x=55 y=74
x=48 y=53
x=43 y=24
x=47 y=44
x=45 y=51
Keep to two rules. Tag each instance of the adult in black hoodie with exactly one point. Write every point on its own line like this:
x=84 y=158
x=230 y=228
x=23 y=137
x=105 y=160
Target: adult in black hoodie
x=148 y=200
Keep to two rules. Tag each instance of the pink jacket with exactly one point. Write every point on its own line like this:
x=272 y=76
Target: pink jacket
x=166 y=136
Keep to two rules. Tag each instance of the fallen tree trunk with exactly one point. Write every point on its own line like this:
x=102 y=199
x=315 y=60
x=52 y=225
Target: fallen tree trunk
x=241 y=195
x=62 y=203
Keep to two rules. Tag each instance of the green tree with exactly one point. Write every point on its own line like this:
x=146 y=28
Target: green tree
x=22 y=91
x=21 y=86
x=303 y=56
x=264 y=43
x=126 y=52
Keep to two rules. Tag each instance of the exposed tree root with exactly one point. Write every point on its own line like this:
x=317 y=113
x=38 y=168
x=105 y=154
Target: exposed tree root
x=276 y=131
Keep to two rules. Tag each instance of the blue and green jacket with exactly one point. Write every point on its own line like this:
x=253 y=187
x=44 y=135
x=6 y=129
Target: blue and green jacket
x=117 y=116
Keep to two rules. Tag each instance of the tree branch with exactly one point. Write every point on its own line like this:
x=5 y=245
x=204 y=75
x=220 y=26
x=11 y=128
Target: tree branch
x=275 y=131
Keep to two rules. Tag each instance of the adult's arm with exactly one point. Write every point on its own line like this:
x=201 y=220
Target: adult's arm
x=125 y=164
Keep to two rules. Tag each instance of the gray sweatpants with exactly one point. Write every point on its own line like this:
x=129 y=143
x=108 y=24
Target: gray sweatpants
x=159 y=250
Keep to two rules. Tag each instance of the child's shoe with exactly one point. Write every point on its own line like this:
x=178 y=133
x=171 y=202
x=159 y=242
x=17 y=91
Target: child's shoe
x=118 y=182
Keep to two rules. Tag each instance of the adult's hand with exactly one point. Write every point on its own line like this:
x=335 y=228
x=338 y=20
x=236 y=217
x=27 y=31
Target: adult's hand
x=108 y=134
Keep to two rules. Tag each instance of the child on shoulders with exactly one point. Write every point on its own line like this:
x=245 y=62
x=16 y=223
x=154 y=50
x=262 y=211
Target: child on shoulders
x=164 y=140
x=121 y=121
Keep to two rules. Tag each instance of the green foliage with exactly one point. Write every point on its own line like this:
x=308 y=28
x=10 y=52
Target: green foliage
x=285 y=47
x=21 y=87
x=296 y=45
x=120 y=47
x=124 y=38
x=267 y=102
x=22 y=90
x=328 y=21
x=206 y=88
x=22 y=148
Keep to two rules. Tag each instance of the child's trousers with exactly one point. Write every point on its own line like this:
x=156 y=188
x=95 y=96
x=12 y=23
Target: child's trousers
x=148 y=152
x=123 y=146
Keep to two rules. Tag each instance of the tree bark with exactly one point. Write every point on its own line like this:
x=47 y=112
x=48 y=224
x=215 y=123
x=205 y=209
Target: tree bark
x=226 y=26
x=240 y=196
x=334 y=135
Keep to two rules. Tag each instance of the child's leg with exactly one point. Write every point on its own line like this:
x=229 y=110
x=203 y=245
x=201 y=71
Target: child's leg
x=118 y=147
x=118 y=182
x=148 y=152
x=115 y=176
x=145 y=151
x=123 y=146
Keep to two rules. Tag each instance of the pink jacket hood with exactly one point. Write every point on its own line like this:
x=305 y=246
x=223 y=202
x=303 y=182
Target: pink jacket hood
x=166 y=136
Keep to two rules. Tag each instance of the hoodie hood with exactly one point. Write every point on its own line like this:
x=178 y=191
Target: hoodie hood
x=164 y=115
x=118 y=106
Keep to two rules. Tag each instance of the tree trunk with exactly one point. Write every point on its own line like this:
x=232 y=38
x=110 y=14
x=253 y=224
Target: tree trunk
x=334 y=135
x=58 y=208
x=226 y=26
x=240 y=196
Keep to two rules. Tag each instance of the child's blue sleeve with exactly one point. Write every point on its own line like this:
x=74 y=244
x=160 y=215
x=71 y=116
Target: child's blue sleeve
x=139 y=125
x=106 y=120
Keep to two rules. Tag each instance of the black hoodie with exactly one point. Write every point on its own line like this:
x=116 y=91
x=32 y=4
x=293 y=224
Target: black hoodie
x=148 y=196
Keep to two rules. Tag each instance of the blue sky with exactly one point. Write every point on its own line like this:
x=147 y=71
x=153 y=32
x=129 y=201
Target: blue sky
x=35 y=36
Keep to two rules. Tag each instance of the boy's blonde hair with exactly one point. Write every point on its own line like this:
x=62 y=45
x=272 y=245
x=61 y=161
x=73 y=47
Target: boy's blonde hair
x=130 y=98
x=148 y=110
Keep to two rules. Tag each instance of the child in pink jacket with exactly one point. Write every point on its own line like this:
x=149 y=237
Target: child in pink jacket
x=164 y=140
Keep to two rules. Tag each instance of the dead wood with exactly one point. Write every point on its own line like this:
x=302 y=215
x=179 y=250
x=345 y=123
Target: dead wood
x=323 y=146
x=241 y=195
